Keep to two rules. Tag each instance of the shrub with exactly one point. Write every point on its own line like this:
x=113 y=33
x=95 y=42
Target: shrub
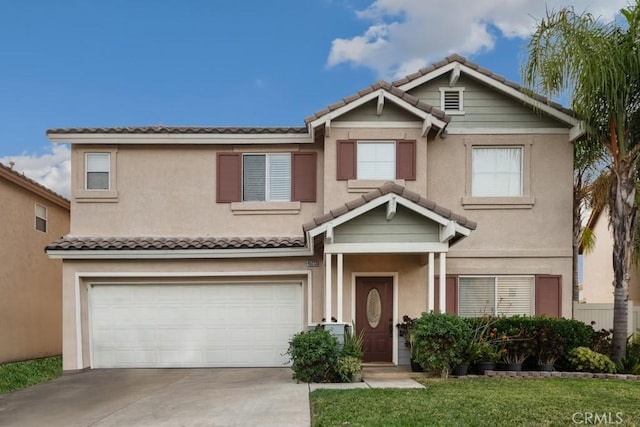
x=347 y=366
x=439 y=340
x=583 y=359
x=630 y=363
x=314 y=355
x=352 y=343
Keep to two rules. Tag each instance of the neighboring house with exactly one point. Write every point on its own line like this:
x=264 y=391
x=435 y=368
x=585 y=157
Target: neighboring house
x=207 y=246
x=597 y=266
x=31 y=216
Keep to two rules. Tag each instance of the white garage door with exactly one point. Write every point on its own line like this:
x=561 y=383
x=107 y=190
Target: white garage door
x=200 y=325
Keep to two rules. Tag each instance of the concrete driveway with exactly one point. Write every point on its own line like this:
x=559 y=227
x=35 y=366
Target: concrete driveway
x=162 y=397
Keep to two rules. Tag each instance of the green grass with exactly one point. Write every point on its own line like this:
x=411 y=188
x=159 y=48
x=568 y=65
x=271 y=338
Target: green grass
x=19 y=375
x=481 y=402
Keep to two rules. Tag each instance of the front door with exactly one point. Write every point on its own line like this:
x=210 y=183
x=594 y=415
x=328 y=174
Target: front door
x=374 y=316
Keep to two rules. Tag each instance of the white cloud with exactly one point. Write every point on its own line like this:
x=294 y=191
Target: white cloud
x=406 y=35
x=51 y=169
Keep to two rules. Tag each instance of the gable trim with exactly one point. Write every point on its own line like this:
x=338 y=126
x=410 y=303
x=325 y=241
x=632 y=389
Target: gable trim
x=547 y=109
x=377 y=95
x=386 y=198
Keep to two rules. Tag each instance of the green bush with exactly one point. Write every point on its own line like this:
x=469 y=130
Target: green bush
x=347 y=366
x=314 y=355
x=583 y=359
x=439 y=341
x=352 y=343
x=630 y=363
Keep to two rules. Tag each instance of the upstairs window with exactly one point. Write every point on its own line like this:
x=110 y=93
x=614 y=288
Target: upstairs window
x=266 y=177
x=452 y=100
x=497 y=172
x=98 y=171
x=41 y=218
x=376 y=160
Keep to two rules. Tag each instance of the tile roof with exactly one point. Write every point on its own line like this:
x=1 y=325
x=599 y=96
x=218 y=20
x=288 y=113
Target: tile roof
x=387 y=188
x=69 y=243
x=181 y=130
x=28 y=183
x=464 y=61
x=410 y=99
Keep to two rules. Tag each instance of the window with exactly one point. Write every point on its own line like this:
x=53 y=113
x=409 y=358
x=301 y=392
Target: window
x=497 y=172
x=496 y=295
x=41 y=218
x=451 y=100
x=98 y=166
x=266 y=177
x=376 y=160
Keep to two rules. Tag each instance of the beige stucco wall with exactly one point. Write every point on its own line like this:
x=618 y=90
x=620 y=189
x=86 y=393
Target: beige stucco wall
x=598 y=269
x=171 y=191
x=31 y=302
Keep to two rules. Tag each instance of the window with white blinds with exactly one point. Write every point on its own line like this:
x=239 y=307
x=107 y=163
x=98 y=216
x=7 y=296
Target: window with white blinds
x=496 y=295
x=41 y=218
x=266 y=177
x=98 y=166
x=497 y=172
x=376 y=160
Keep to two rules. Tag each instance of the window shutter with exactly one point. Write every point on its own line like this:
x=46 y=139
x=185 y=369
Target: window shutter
x=406 y=160
x=279 y=167
x=452 y=294
x=549 y=295
x=303 y=181
x=346 y=161
x=515 y=295
x=228 y=177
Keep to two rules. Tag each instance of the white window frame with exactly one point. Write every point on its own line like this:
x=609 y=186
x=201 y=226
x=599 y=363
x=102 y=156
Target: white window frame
x=362 y=143
x=500 y=147
x=460 y=91
x=267 y=195
x=45 y=218
x=87 y=171
x=496 y=278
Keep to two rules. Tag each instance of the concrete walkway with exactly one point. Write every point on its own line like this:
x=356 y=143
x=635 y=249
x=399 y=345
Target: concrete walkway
x=370 y=383
x=162 y=397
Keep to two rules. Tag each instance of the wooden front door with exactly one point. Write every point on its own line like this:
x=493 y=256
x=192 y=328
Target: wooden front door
x=374 y=316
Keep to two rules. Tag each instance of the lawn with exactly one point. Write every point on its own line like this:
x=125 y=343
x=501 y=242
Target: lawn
x=19 y=375
x=482 y=402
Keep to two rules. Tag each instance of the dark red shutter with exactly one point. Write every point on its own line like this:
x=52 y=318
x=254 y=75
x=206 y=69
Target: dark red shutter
x=303 y=177
x=549 y=295
x=452 y=294
x=229 y=177
x=346 y=161
x=406 y=160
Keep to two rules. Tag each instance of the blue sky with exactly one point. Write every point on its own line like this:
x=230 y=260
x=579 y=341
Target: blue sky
x=74 y=63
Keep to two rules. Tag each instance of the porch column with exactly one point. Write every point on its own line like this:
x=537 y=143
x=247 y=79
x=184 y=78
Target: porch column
x=339 y=272
x=443 y=282
x=327 y=288
x=430 y=286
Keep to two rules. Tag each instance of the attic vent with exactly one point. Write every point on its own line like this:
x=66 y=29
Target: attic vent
x=451 y=100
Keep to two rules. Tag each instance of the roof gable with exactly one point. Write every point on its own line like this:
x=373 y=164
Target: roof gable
x=459 y=225
x=28 y=184
x=456 y=65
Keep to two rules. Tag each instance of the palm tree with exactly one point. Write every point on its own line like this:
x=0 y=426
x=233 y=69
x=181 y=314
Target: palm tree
x=598 y=65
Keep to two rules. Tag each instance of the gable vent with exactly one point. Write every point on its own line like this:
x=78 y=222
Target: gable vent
x=452 y=101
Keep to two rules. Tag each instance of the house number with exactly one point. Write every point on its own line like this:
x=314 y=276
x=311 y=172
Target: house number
x=312 y=263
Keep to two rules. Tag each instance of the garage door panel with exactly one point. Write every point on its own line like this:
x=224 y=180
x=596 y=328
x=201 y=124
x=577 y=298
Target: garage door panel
x=216 y=325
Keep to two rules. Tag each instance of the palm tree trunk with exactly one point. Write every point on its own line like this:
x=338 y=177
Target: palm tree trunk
x=622 y=221
x=577 y=228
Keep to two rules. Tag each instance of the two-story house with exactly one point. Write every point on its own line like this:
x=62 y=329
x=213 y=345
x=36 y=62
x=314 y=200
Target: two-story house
x=31 y=216
x=210 y=246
